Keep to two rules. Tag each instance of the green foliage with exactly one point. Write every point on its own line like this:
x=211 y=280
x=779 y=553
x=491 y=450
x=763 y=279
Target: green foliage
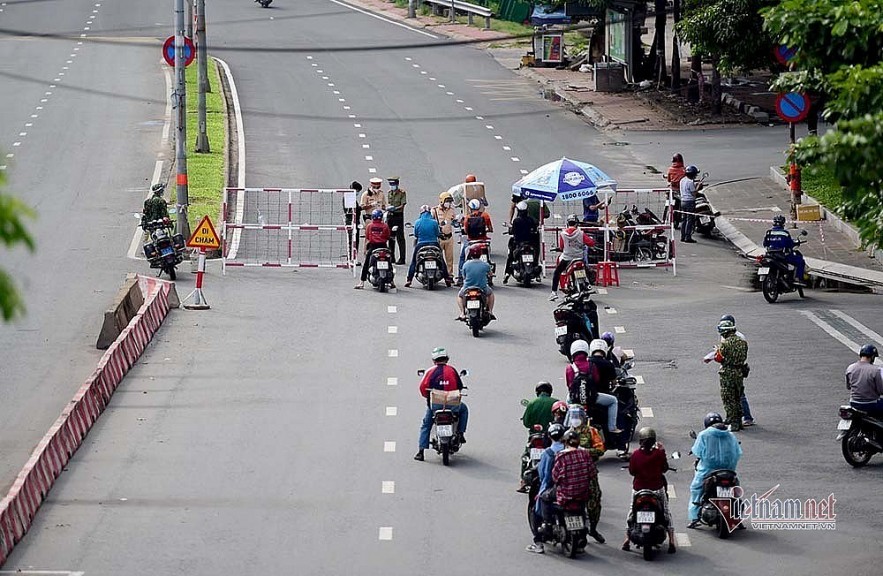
x=12 y=232
x=820 y=183
x=840 y=56
x=729 y=33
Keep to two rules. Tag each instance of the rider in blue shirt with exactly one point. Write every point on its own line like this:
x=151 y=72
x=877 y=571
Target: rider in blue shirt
x=426 y=232
x=778 y=239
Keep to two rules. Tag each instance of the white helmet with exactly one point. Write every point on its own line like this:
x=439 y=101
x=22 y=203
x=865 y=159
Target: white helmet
x=474 y=204
x=521 y=206
x=579 y=346
x=598 y=346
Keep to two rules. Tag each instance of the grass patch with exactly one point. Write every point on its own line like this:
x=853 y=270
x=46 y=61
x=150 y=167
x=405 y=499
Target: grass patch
x=205 y=172
x=819 y=182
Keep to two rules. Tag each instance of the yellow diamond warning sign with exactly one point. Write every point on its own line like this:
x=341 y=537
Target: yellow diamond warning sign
x=204 y=236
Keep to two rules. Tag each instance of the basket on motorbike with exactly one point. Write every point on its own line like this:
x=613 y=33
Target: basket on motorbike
x=446 y=398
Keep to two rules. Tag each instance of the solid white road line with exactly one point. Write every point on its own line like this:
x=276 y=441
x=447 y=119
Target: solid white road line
x=389 y=446
x=240 y=144
x=385 y=532
x=833 y=332
x=392 y=381
x=387 y=20
x=859 y=326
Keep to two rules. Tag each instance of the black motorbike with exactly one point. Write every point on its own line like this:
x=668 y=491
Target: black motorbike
x=718 y=484
x=631 y=245
x=861 y=435
x=164 y=250
x=628 y=413
x=428 y=269
x=569 y=528
x=381 y=272
x=485 y=256
x=647 y=526
x=536 y=443
x=264 y=3
x=659 y=243
x=570 y=320
x=477 y=314
x=526 y=264
x=705 y=214
x=776 y=274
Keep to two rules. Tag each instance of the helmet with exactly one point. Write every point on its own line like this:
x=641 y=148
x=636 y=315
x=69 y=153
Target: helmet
x=778 y=220
x=521 y=206
x=572 y=219
x=158 y=188
x=475 y=251
x=578 y=346
x=559 y=406
x=556 y=432
x=474 y=204
x=470 y=178
x=598 y=346
x=444 y=196
x=646 y=436
x=712 y=418
x=354 y=185
x=576 y=416
x=609 y=338
x=571 y=438
x=425 y=208
x=377 y=214
x=544 y=387
x=726 y=326
x=439 y=353
x=868 y=351
x=728 y=318
x=691 y=171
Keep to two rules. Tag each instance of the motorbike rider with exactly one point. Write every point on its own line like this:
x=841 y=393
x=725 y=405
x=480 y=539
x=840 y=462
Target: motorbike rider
x=747 y=418
x=648 y=465
x=398 y=198
x=522 y=231
x=475 y=273
x=572 y=243
x=426 y=233
x=542 y=509
x=440 y=376
x=717 y=449
x=372 y=199
x=615 y=354
x=777 y=239
x=155 y=207
x=865 y=382
x=689 y=188
x=477 y=225
x=376 y=236
x=446 y=215
x=589 y=378
x=537 y=412
x=731 y=354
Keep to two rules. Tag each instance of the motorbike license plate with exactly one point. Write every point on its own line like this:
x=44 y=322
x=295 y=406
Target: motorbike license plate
x=704 y=220
x=763 y=271
x=430 y=265
x=574 y=522
x=484 y=257
x=445 y=430
x=167 y=251
x=646 y=517
x=579 y=273
x=536 y=453
x=383 y=265
x=560 y=331
x=527 y=258
x=724 y=492
x=844 y=424
x=473 y=304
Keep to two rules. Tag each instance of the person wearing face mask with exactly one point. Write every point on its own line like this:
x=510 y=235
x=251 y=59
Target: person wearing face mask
x=372 y=199
x=397 y=199
x=445 y=214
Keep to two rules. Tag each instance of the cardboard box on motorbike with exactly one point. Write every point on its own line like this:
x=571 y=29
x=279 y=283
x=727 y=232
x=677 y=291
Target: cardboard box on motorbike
x=467 y=191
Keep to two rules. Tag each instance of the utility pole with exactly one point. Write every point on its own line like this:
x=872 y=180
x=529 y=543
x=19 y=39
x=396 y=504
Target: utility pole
x=180 y=103
x=202 y=143
x=675 y=50
x=412 y=8
x=190 y=19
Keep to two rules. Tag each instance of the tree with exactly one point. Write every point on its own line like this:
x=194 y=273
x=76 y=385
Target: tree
x=840 y=56
x=12 y=232
x=729 y=34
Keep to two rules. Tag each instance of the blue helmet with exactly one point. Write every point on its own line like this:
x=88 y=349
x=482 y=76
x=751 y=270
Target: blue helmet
x=377 y=214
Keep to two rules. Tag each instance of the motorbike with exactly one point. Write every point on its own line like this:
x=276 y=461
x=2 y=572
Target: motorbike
x=635 y=245
x=530 y=460
x=486 y=257
x=628 y=412
x=860 y=434
x=705 y=213
x=443 y=437
x=428 y=270
x=381 y=272
x=569 y=528
x=264 y=3
x=576 y=318
x=718 y=484
x=163 y=250
x=647 y=527
x=576 y=278
x=525 y=264
x=658 y=242
x=477 y=314
x=776 y=274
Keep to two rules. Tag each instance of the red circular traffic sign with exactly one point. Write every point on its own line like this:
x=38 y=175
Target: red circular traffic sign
x=168 y=51
x=784 y=54
x=792 y=106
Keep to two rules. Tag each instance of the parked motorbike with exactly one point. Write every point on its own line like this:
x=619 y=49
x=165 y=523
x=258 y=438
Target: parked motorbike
x=633 y=245
x=705 y=213
x=659 y=243
x=477 y=314
x=381 y=272
x=647 y=527
x=861 y=435
x=576 y=318
x=776 y=274
x=443 y=437
x=264 y=3
x=164 y=250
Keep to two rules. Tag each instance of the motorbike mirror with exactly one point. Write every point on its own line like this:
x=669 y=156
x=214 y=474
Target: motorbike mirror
x=704 y=175
x=803 y=233
x=394 y=228
x=693 y=434
x=137 y=215
x=408 y=225
x=675 y=455
x=173 y=210
x=464 y=372
x=421 y=372
x=505 y=224
x=525 y=401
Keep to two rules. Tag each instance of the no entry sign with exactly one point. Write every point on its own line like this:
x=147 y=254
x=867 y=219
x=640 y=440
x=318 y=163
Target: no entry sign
x=168 y=51
x=792 y=106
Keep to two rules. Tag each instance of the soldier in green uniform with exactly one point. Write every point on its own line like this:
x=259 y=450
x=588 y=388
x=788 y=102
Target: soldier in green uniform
x=397 y=198
x=155 y=207
x=731 y=354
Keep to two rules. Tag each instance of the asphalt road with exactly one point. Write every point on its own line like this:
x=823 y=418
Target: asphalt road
x=81 y=131
x=275 y=431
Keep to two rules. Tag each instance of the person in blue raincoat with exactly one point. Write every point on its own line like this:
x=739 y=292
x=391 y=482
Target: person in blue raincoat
x=717 y=449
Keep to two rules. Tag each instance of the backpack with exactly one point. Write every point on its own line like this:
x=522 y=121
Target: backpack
x=476 y=226
x=583 y=389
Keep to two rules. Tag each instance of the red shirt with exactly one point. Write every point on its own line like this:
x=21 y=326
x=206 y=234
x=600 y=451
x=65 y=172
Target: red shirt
x=648 y=468
x=376 y=232
x=440 y=377
x=572 y=473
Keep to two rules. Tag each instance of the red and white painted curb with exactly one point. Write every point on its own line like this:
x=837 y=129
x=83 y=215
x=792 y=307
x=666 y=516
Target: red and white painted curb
x=19 y=506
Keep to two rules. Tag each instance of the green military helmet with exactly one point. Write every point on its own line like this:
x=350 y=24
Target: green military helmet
x=726 y=327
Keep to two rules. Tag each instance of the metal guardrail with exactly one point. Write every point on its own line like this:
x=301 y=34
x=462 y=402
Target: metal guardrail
x=455 y=6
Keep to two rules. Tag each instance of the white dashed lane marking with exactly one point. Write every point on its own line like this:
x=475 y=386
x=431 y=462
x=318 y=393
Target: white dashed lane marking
x=639 y=379
x=392 y=381
x=619 y=329
x=646 y=412
x=385 y=533
x=392 y=411
x=389 y=446
x=388 y=487
x=683 y=539
x=391 y=309
x=671 y=492
x=392 y=329
x=393 y=353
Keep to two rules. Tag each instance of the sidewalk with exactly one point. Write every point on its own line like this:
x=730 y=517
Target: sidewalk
x=747 y=207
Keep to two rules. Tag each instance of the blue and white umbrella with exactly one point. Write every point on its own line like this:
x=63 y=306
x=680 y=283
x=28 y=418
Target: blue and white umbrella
x=565 y=179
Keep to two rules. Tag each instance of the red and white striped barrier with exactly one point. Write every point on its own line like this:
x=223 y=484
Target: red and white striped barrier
x=19 y=506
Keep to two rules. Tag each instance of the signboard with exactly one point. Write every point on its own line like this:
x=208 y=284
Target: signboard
x=168 y=51
x=792 y=106
x=204 y=235
x=616 y=36
x=552 y=47
x=784 y=54
x=539 y=194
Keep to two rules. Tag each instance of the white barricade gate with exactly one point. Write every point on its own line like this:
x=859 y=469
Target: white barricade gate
x=287 y=228
x=635 y=230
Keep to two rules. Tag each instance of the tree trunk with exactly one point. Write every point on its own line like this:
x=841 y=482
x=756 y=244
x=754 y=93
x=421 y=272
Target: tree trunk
x=675 y=51
x=695 y=72
x=662 y=72
x=716 y=94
